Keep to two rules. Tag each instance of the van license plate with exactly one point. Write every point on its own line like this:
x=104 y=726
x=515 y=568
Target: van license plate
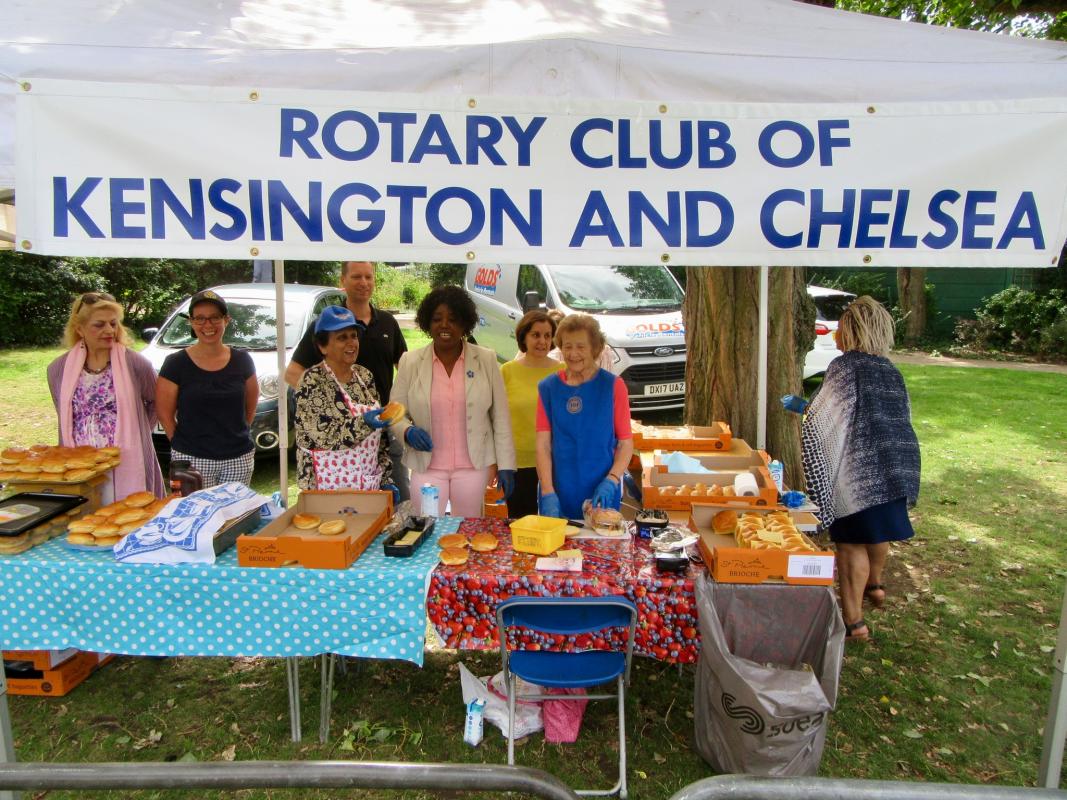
x=678 y=387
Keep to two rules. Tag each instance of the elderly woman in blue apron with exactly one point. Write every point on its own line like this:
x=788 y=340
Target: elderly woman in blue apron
x=584 y=442
x=338 y=433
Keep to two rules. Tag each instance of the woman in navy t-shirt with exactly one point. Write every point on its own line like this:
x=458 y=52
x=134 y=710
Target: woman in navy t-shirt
x=206 y=398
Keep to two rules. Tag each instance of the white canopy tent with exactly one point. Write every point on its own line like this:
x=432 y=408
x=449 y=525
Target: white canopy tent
x=702 y=56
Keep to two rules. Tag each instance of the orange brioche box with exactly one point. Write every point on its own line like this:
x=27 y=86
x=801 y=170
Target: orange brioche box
x=281 y=543
x=61 y=679
x=729 y=563
x=739 y=456
x=41 y=659
x=716 y=436
x=679 y=490
x=494 y=505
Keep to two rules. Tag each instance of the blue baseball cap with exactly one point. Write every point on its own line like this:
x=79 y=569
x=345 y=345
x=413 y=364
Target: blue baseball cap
x=337 y=318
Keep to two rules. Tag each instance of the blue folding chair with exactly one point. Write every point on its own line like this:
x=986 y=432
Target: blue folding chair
x=569 y=616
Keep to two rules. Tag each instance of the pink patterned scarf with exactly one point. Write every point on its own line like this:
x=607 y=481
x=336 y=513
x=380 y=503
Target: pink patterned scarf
x=130 y=473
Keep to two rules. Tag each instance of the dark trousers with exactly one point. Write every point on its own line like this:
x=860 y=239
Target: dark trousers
x=523 y=500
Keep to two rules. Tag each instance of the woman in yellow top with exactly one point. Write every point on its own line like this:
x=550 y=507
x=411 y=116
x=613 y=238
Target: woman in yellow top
x=534 y=334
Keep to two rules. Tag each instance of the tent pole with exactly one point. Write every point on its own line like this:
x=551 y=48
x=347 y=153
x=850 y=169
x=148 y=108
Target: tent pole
x=1048 y=774
x=761 y=366
x=7 y=742
x=283 y=387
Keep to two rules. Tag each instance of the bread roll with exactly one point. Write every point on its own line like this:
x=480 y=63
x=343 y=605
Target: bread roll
x=453 y=540
x=77 y=475
x=724 y=522
x=110 y=452
x=53 y=466
x=83 y=525
x=81 y=538
x=453 y=556
x=130 y=527
x=392 y=412
x=111 y=510
x=13 y=455
x=333 y=527
x=81 y=462
x=130 y=515
x=139 y=499
x=106 y=529
x=108 y=541
x=306 y=522
x=484 y=542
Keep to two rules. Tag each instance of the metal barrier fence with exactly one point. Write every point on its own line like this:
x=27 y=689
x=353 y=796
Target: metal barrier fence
x=284 y=775
x=747 y=787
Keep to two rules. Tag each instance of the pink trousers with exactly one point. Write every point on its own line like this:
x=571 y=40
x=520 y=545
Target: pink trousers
x=464 y=488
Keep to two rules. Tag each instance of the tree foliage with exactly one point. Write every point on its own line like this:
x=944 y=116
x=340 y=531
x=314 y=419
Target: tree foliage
x=1041 y=19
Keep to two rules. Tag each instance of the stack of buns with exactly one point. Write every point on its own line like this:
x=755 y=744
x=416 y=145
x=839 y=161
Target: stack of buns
x=771 y=531
x=44 y=463
x=13 y=545
x=106 y=526
x=453 y=549
x=308 y=522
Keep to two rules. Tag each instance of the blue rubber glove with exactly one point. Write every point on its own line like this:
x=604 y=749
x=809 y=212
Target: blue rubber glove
x=373 y=419
x=505 y=479
x=549 y=506
x=794 y=403
x=607 y=494
x=391 y=487
x=418 y=438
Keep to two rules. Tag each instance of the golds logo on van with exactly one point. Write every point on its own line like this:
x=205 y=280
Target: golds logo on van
x=486 y=279
x=645 y=330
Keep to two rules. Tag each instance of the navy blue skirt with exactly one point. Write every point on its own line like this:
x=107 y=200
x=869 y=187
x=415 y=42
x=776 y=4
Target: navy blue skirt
x=887 y=522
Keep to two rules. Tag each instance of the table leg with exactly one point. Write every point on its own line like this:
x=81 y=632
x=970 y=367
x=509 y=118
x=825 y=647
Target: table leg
x=328 y=661
x=292 y=674
x=7 y=742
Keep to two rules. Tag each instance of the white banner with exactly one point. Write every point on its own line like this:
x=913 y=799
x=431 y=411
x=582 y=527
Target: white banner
x=198 y=172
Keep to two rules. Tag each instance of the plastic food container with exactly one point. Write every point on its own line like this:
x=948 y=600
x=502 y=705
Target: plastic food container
x=538 y=535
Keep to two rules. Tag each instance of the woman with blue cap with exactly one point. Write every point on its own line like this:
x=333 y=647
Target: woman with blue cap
x=338 y=431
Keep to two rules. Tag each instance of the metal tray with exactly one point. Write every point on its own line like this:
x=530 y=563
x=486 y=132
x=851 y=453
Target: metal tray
x=407 y=550
x=47 y=505
x=227 y=537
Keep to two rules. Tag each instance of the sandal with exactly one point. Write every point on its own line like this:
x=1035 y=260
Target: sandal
x=852 y=627
x=876 y=594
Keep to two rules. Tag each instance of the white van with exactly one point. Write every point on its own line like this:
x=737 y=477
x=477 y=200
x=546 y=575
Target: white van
x=638 y=308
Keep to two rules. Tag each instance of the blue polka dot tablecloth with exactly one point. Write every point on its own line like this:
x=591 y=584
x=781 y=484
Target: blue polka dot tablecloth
x=52 y=597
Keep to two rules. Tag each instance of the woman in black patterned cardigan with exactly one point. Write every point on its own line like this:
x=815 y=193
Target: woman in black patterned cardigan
x=861 y=457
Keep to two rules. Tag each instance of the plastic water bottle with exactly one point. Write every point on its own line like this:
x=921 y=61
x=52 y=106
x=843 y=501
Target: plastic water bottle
x=430 y=496
x=777 y=473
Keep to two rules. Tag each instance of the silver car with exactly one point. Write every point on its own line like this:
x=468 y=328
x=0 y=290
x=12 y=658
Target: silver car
x=254 y=328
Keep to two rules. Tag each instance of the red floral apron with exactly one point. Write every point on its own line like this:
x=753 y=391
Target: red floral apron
x=354 y=467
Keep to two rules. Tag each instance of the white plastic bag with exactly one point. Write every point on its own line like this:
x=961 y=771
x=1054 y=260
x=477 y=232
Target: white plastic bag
x=493 y=692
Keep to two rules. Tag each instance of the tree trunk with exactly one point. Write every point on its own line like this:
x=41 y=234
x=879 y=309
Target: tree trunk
x=911 y=291
x=721 y=313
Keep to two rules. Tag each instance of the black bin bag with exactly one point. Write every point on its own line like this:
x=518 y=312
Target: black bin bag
x=767 y=677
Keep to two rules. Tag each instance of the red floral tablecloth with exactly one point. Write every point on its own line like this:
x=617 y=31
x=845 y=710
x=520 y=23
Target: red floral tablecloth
x=462 y=600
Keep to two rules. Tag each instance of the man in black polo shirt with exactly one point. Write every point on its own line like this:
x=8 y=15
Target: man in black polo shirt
x=380 y=348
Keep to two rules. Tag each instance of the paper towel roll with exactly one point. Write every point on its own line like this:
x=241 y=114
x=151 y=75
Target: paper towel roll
x=745 y=485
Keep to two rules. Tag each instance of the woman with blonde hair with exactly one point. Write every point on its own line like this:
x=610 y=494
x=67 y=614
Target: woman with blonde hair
x=584 y=442
x=861 y=457
x=104 y=393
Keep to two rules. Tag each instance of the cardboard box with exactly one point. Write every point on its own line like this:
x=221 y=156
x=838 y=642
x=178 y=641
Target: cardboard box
x=41 y=659
x=716 y=436
x=656 y=478
x=494 y=504
x=729 y=563
x=61 y=680
x=281 y=544
x=740 y=456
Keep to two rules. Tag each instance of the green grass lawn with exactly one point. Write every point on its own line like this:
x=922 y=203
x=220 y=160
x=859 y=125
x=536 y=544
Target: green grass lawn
x=955 y=688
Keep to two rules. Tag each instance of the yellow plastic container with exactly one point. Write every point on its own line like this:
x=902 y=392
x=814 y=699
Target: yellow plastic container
x=539 y=535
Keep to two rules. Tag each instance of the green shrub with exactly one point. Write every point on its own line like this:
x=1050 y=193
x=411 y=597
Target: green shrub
x=857 y=281
x=1019 y=320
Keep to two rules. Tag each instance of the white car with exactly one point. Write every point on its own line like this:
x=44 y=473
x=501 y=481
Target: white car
x=253 y=327
x=829 y=305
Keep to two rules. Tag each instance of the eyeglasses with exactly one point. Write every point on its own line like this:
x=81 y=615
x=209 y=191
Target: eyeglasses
x=214 y=320
x=90 y=298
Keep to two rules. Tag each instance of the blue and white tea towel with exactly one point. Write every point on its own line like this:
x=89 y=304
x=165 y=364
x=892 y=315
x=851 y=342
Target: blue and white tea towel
x=184 y=531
